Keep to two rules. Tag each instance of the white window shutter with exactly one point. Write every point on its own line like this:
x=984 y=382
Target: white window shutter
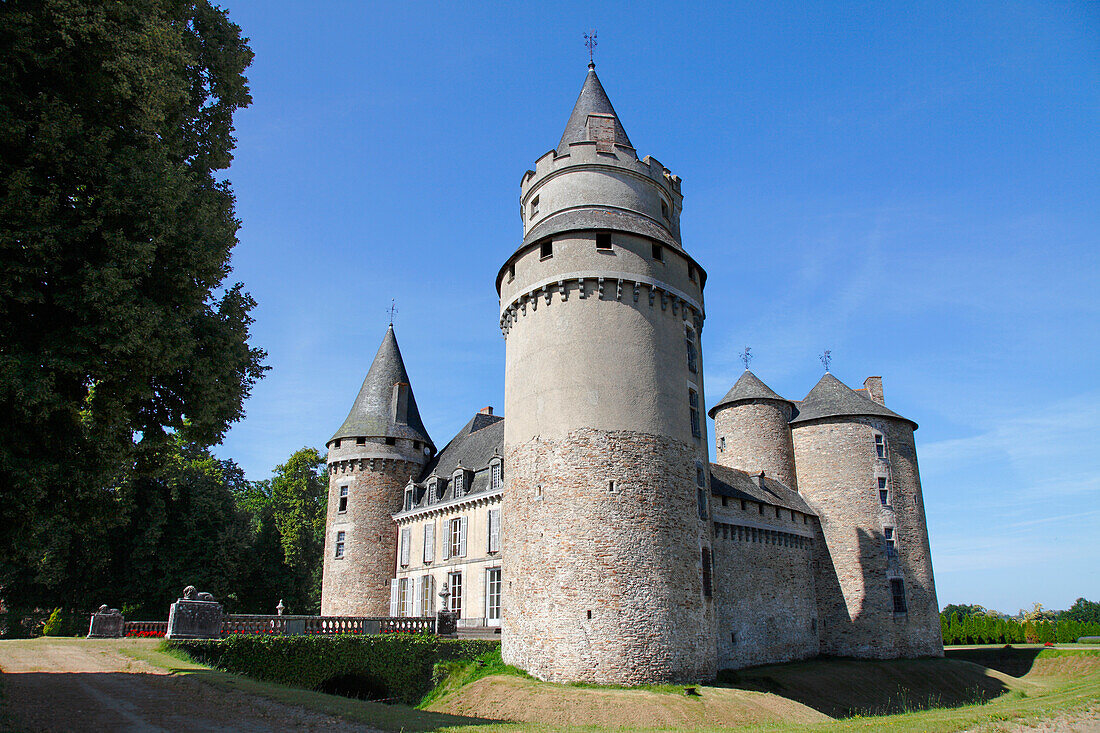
x=393 y=597
x=429 y=542
x=414 y=592
x=462 y=539
x=447 y=539
x=430 y=594
x=406 y=541
x=494 y=530
x=409 y=597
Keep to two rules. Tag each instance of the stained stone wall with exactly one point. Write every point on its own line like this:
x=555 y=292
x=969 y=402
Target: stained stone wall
x=757 y=438
x=605 y=585
x=764 y=584
x=838 y=472
x=358 y=583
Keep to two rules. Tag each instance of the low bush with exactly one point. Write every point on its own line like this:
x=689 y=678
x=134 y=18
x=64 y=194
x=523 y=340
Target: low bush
x=399 y=666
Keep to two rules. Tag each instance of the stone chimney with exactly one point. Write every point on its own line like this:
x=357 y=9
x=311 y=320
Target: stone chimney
x=873 y=385
x=759 y=479
x=488 y=410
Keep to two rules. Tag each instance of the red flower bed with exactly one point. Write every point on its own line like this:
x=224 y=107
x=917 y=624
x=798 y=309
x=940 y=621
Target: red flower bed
x=145 y=634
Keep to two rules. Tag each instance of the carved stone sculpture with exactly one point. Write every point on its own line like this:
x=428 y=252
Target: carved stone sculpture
x=195 y=616
x=107 y=623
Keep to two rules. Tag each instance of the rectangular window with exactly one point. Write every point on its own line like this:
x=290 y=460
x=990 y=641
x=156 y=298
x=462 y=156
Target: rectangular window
x=701 y=497
x=722 y=444
x=408 y=500
x=707 y=590
x=546 y=249
x=455 y=599
x=336 y=444
x=403 y=596
x=391 y=441
x=343 y=507
x=427 y=586
x=693 y=402
x=664 y=209
x=691 y=274
x=492 y=594
x=888 y=537
x=458 y=537
x=603 y=240
x=511 y=272
x=429 y=542
x=406 y=541
x=880 y=445
x=460 y=484
x=497 y=476
x=883 y=492
x=360 y=441
x=692 y=351
x=658 y=253
x=494 y=530
x=339 y=544
x=534 y=207
x=897 y=591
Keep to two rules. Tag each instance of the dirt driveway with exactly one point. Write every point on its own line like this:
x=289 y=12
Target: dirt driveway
x=76 y=685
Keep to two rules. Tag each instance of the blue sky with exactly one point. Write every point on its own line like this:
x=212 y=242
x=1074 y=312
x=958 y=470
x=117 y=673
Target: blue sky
x=915 y=187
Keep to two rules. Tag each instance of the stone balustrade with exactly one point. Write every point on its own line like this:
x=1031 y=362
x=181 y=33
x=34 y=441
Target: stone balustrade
x=289 y=625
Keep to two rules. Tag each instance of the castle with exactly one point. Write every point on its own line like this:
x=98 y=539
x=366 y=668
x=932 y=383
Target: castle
x=591 y=526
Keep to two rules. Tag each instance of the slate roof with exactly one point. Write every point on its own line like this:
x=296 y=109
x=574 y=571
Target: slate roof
x=592 y=101
x=472 y=448
x=832 y=398
x=372 y=413
x=725 y=481
x=748 y=387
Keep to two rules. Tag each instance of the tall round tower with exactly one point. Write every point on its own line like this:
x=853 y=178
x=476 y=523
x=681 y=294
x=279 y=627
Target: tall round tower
x=857 y=467
x=381 y=444
x=752 y=431
x=609 y=557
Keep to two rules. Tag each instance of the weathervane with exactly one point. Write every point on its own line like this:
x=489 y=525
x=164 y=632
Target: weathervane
x=590 y=41
x=826 y=358
x=746 y=357
x=392 y=309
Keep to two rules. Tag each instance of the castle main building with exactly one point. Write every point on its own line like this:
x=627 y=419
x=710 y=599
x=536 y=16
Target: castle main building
x=591 y=526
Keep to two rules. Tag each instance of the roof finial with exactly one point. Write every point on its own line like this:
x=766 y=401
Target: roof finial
x=392 y=309
x=746 y=357
x=590 y=41
x=826 y=358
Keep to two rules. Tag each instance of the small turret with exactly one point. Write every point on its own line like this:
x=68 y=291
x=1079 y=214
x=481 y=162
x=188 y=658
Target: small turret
x=380 y=446
x=751 y=430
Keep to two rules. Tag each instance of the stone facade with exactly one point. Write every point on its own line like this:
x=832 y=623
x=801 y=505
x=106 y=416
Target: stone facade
x=357 y=583
x=754 y=436
x=588 y=593
x=839 y=472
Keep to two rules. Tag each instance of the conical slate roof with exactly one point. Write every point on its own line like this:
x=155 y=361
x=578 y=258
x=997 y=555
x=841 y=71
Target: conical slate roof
x=374 y=413
x=748 y=387
x=832 y=398
x=592 y=101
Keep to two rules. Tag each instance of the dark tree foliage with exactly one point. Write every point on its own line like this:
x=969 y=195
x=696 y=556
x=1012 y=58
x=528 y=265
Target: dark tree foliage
x=1086 y=612
x=116 y=329
x=963 y=610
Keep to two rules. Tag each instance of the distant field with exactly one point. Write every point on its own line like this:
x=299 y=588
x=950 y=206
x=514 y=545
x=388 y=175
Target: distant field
x=974 y=688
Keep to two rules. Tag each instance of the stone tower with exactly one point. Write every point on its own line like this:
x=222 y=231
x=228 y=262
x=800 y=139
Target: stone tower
x=857 y=467
x=605 y=506
x=381 y=444
x=752 y=431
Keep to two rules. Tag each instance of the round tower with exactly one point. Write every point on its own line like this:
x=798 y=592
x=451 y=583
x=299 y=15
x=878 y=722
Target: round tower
x=752 y=431
x=607 y=541
x=857 y=467
x=380 y=446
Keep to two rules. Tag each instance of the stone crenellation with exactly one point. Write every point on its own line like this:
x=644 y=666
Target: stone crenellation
x=591 y=528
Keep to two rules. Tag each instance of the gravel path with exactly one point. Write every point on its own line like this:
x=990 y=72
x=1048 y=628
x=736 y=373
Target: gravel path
x=66 y=686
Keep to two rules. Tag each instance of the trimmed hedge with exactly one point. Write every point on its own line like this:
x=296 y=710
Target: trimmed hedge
x=403 y=663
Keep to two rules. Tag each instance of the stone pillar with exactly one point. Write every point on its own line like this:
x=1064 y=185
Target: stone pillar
x=106 y=624
x=195 y=616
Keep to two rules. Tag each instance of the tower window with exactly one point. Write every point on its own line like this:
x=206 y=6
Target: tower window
x=603 y=240
x=897 y=592
x=360 y=441
x=701 y=497
x=707 y=591
x=658 y=253
x=343 y=499
x=722 y=444
x=693 y=403
x=546 y=249
x=691 y=274
x=888 y=538
x=692 y=352
x=883 y=492
x=534 y=207
x=664 y=209
x=511 y=272
x=340 y=544
x=391 y=441
x=611 y=487
x=880 y=445
x=336 y=444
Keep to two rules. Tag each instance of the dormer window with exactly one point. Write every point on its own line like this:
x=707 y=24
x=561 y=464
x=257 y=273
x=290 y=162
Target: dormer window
x=496 y=474
x=459 y=484
x=433 y=490
x=408 y=499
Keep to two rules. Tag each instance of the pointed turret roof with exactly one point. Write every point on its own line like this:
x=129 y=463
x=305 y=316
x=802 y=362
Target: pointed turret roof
x=375 y=412
x=748 y=387
x=832 y=398
x=592 y=101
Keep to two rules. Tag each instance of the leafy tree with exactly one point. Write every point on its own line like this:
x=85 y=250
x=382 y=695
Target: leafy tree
x=116 y=329
x=299 y=493
x=1082 y=611
x=963 y=610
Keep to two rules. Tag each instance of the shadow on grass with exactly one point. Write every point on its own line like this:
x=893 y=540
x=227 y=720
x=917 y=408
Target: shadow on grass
x=1007 y=660
x=842 y=688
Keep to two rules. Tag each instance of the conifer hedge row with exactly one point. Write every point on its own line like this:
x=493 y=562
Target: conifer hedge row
x=982 y=629
x=402 y=663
